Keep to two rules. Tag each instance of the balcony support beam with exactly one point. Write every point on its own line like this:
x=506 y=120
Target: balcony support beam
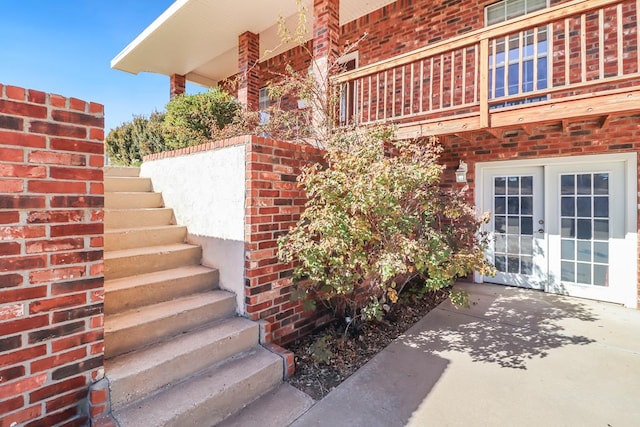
x=584 y=106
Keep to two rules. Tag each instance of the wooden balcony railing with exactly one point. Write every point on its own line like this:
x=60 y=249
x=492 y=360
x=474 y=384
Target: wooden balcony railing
x=557 y=59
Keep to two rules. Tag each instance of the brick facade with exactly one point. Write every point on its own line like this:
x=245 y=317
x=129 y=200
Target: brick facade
x=273 y=200
x=51 y=251
x=406 y=25
x=272 y=69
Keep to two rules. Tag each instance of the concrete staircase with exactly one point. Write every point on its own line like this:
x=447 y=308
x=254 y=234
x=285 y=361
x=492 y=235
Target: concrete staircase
x=176 y=354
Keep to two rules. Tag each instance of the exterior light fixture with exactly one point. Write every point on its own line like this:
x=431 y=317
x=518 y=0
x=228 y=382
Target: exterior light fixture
x=461 y=172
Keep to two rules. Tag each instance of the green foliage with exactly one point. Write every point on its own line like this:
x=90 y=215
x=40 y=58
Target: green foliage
x=459 y=298
x=196 y=119
x=320 y=350
x=376 y=217
x=129 y=142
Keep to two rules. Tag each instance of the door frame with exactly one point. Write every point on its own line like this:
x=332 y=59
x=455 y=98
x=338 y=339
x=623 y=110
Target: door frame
x=630 y=161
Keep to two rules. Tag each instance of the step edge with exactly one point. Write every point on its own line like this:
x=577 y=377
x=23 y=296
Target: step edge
x=241 y=338
x=216 y=296
x=197 y=379
x=118 y=372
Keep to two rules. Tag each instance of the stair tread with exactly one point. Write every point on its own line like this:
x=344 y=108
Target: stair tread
x=161 y=310
x=157 y=276
x=116 y=177
x=115 y=218
x=106 y=193
x=145 y=228
x=148 y=250
x=279 y=407
x=121 y=171
x=127 y=183
x=164 y=407
x=107 y=210
x=136 y=361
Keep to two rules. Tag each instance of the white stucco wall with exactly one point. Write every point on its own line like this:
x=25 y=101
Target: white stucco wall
x=207 y=193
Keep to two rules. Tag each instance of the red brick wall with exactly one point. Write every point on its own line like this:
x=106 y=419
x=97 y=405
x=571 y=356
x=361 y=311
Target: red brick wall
x=51 y=273
x=274 y=203
x=620 y=135
x=273 y=70
x=406 y=25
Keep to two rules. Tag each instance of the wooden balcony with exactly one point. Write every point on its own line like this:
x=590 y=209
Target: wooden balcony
x=563 y=64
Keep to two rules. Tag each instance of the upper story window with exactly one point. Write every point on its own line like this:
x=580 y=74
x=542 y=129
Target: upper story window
x=509 y=9
x=519 y=62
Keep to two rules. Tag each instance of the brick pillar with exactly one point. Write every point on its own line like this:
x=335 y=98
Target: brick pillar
x=248 y=56
x=326 y=29
x=51 y=256
x=178 y=84
x=326 y=33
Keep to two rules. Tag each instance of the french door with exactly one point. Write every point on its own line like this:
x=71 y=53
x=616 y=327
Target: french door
x=587 y=231
x=562 y=228
x=519 y=249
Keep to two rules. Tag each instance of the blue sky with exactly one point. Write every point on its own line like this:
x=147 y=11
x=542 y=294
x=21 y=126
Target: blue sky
x=66 y=46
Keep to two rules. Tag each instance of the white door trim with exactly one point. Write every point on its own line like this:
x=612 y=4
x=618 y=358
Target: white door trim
x=630 y=161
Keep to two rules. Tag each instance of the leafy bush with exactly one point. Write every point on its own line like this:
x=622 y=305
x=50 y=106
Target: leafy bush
x=195 y=119
x=129 y=142
x=376 y=217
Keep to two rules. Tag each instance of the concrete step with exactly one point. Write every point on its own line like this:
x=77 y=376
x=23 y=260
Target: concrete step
x=277 y=408
x=132 y=200
x=132 y=218
x=209 y=396
x=147 y=325
x=129 y=238
x=134 y=375
x=129 y=293
x=125 y=183
x=132 y=262
x=121 y=171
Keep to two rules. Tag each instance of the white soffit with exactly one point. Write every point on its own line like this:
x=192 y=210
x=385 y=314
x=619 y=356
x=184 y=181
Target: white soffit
x=199 y=38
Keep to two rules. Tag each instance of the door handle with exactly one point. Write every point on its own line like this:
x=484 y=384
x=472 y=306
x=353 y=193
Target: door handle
x=540 y=230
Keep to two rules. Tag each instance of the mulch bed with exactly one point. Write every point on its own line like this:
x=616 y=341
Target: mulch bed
x=327 y=357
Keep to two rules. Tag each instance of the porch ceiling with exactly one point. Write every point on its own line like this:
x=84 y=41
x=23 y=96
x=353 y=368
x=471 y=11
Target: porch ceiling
x=199 y=38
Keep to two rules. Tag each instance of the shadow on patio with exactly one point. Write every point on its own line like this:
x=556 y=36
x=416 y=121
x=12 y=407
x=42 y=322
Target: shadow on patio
x=507 y=328
x=569 y=362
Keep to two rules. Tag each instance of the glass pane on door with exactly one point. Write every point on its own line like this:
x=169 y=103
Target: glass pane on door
x=584 y=228
x=513 y=223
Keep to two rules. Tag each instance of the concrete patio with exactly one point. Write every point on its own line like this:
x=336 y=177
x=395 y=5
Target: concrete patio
x=514 y=358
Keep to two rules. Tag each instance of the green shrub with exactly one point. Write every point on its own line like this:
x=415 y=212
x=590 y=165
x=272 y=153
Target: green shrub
x=129 y=142
x=375 y=220
x=196 y=119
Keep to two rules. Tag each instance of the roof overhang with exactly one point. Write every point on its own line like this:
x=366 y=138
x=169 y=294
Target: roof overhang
x=199 y=38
